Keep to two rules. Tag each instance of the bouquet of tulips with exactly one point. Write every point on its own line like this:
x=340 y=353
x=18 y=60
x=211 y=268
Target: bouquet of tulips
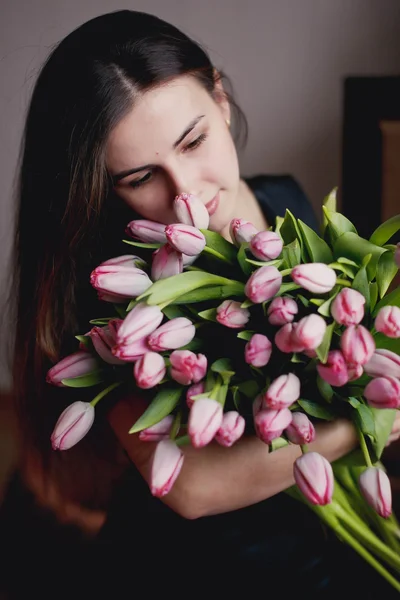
x=266 y=334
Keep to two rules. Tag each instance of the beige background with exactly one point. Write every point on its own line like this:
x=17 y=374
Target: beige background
x=287 y=60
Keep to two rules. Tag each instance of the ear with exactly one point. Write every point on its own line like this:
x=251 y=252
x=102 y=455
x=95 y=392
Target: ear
x=220 y=97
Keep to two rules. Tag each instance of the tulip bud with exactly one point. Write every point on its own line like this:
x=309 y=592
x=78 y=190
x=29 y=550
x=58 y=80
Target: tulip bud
x=231 y=429
x=376 y=489
x=74 y=365
x=383 y=392
x=335 y=370
x=309 y=332
x=194 y=390
x=72 y=425
x=159 y=431
x=354 y=371
x=282 y=310
x=258 y=350
x=314 y=277
x=187 y=367
x=190 y=210
x=119 y=280
x=266 y=245
x=174 y=334
x=147 y=231
x=348 y=307
x=185 y=238
x=269 y=424
x=149 y=370
x=263 y=284
x=383 y=363
x=286 y=341
x=357 y=344
x=205 y=418
x=388 y=321
x=241 y=231
x=230 y=314
x=139 y=322
x=166 y=466
x=300 y=431
x=126 y=260
x=283 y=391
x=131 y=352
x=397 y=255
x=314 y=477
x=104 y=339
x=166 y=263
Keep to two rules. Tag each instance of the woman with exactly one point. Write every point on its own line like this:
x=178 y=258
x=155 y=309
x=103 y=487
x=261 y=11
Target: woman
x=127 y=113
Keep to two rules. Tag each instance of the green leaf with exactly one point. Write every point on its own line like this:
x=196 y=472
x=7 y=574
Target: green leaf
x=392 y=299
x=337 y=225
x=385 y=231
x=101 y=321
x=162 y=405
x=85 y=340
x=143 y=244
x=360 y=284
x=216 y=292
x=317 y=301
x=290 y=231
x=249 y=388
x=278 y=223
x=364 y=418
x=246 y=304
x=325 y=308
x=383 y=421
x=291 y=254
x=330 y=201
x=236 y=397
x=222 y=365
x=84 y=381
x=314 y=409
x=318 y=249
x=287 y=287
x=382 y=341
x=385 y=272
x=356 y=248
x=245 y=335
x=344 y=268
x=324 y=388
x=373 y=294
x=209 y=314
x=323 y=348
x=173 y=312
x=277 y=443
x=216 y=242
x=242 y=259
x=265 y=263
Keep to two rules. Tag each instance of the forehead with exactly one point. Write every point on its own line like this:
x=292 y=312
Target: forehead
x=158 y=117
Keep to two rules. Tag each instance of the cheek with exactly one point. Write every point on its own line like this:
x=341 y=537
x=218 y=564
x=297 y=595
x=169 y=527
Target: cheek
x=153 y=205
x=223 y=161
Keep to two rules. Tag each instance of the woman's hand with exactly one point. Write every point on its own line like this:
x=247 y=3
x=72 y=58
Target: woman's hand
x=395 y=433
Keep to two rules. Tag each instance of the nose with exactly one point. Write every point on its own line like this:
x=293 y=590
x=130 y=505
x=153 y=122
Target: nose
x=183 y=180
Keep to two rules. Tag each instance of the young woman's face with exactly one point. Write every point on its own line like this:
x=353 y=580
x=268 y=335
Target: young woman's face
x=175 y=139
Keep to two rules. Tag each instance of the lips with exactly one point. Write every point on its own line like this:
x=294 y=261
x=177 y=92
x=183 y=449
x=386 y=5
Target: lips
x=212 y=205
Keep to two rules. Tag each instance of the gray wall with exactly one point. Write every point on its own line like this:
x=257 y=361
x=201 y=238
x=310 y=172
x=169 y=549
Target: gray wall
x=287 y=60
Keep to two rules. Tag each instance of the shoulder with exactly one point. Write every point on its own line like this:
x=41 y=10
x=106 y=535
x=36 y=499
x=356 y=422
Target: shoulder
x=276 y=193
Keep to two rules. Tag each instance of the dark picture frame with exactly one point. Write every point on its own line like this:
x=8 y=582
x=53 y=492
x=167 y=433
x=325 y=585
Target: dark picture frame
x=367 y=102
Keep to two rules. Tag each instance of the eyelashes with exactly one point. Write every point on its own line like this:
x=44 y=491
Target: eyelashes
x=189 y=148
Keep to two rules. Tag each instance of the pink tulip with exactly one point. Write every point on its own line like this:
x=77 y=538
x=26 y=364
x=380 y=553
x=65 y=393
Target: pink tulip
x=388 y=321
x=283 y=392
x=126 y=260
x=263 y=284
x=147 y=231
x=357 y=345
x=190 y=210
x=166 y=465
x=120 y=281
x=241 y=231
x=72 y=425
x=309 y=332
x=149 y=370
x=131 y=352
x=348 y=307
x=286 y=341
x=258 y=350
x=139 y=322
x=282 y=310
x=269 y=424
x=266 y=245
x=376 y=489
x=172 y=335
x=397 y=254
x=314 y=277
x=335 y=370
x=354 y=371
x=231 y=429
x=187 y=367
x=74 y=365
x=383 y=363
x=194 y=390
x=230 y=314
x=314 y=477
x=185 y=238
x=104 y=339
x=166 y=263
x=159 y=431
x=383 y=392
x=300 y=431
x=205 y=419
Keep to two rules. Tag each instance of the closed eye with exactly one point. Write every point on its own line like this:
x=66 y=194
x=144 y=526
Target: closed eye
x=196 y=143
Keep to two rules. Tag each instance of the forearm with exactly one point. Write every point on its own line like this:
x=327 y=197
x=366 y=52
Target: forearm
x=215 y=479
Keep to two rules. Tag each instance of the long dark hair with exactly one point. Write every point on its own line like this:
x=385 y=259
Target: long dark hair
x=69 y=219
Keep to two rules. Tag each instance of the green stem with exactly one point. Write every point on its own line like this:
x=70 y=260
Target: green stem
x=364 y=448
x=103 y=393
x=285 y=272
x=217 y=254
x=184 y=440
x=343 y=282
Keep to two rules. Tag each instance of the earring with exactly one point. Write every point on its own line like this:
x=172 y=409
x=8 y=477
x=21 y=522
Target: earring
x=228 y=122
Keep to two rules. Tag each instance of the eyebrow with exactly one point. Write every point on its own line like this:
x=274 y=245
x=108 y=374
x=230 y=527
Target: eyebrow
x=123 y=174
